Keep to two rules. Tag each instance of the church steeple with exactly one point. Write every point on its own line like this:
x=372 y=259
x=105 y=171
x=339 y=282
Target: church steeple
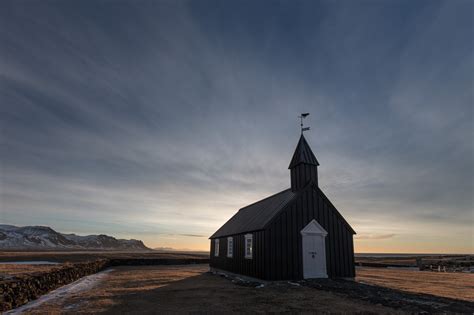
x=303 y=166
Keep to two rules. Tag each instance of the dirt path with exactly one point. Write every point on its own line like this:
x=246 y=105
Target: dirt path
x=184 y=289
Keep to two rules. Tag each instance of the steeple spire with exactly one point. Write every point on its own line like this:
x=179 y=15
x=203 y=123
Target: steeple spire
x=303 y=154
x=303 y=166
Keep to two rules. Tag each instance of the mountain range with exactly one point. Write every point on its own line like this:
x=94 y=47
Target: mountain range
x=45 y=238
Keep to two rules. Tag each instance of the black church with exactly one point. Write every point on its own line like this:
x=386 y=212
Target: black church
x=294 y=234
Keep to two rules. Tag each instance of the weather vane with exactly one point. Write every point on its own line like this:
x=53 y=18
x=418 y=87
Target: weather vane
x=302 y=116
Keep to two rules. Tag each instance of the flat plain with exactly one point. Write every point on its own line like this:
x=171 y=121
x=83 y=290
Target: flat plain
x=444 y=284
x=186 y=289
x=81 y=256
x=192 y=288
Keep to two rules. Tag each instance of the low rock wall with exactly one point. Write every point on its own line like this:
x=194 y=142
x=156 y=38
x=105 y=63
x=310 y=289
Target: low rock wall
x=156 y=261
x=20 y=290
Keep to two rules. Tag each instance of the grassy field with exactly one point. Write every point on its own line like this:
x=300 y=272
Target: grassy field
x=184 y=289
x=81 y=256
x=449 y=262
x=445 y=284
x=191 y=288
x=9 y=271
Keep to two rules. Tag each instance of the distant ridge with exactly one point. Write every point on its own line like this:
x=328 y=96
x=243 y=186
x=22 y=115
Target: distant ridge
x=180 y=250
x=45 y=238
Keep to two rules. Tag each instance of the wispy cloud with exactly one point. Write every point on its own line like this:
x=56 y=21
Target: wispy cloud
x=374 y=236
x=156 y=118
x=192 y=235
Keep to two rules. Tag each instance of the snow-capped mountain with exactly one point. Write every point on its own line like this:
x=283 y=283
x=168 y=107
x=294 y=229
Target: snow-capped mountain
x=45 y=238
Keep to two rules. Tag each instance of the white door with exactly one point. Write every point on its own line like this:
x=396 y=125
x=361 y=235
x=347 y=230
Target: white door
x=314 y=251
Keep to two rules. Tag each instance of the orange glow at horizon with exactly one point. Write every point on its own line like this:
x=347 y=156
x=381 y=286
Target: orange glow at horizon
x=360 y=246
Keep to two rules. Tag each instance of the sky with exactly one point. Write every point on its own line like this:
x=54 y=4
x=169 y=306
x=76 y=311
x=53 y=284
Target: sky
x=158 y=120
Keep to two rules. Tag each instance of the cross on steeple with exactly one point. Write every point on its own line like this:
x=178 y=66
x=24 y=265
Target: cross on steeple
x=304 y=165
x=301 y=117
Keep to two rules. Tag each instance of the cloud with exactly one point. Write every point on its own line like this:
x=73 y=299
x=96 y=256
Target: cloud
x=193 y=235
x=374 y=236
x=165 y=118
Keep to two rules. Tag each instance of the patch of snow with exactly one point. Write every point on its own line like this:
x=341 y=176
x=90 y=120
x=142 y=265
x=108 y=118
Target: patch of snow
x=42 y=237
x=7 y=227
x=83 y=284
x=295 y=284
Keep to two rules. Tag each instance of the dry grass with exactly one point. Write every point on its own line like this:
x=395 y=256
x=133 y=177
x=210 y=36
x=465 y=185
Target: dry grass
x=451 y=285
x=189 y=288
x=185 y=289
x=81 y=256
x=435 y=260
x=8 y=271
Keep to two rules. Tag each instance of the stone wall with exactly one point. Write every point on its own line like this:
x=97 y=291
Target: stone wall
x=156 y=261
x=18 y=291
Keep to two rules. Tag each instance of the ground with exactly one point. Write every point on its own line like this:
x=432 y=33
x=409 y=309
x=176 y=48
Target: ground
x=8 y=271
x=451 y=263
x=81 y=256
x=444 y=284
x=191 y=288
x=184 y=289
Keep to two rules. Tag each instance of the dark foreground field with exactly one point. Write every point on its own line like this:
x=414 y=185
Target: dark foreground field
x=442 y=284
x=156 y=289
x=191 y=288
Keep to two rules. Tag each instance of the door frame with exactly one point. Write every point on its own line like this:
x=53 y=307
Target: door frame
x=313 y=228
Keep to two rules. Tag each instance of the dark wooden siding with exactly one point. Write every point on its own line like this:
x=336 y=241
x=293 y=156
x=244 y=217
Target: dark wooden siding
x=302 y=174
x=277 y=222
x=278 y=249
x=254 y=267
x=283 y=239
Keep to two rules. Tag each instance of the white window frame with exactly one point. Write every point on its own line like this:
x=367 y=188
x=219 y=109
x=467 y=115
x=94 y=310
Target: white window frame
x=248 y=254
x=216 y=247
x=230 y=247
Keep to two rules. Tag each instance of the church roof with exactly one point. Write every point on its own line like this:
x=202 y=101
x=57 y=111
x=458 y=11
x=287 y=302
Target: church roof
x=303 y=154
x=255 y=216
x=258 y=215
